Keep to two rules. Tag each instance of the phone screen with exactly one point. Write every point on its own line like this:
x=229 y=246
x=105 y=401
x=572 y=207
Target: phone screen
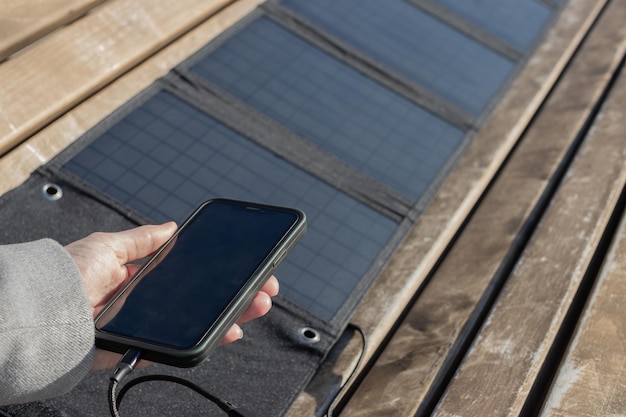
x=182 y=293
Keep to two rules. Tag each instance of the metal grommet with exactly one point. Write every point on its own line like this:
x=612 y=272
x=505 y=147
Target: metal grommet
x=51 y=192
x=309 y=335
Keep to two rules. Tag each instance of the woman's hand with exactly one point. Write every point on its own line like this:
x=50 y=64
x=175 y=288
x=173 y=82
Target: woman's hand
x=105 y=263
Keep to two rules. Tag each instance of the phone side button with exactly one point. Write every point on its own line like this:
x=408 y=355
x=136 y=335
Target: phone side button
x=278 y=260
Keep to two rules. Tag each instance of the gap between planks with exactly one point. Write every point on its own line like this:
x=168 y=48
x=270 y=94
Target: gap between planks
x=404 y=372
x=70 y=65
x=437 y=225
x=17 y=165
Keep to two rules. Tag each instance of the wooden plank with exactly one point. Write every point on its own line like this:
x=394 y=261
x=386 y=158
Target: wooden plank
x=513 y=345
x=59 y=72
x=23 y=22
x=16 y=166
x=440 y=221
x=458 y=194
x=591 y=380
x=403 y=374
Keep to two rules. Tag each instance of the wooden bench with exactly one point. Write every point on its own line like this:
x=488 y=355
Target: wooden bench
x=479 y=304
x=66 y=82
x=534 y=235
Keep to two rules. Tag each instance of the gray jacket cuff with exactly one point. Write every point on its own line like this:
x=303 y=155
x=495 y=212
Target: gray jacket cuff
x=46 y=322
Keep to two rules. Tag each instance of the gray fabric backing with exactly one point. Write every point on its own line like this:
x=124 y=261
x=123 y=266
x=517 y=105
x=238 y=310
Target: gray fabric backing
x=26 y=215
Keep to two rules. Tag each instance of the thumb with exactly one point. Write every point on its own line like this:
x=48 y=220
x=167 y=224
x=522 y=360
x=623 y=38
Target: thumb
x=133 y=244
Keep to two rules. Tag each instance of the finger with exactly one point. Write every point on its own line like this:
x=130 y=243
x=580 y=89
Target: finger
x=132 y=269
x=133 y=244
x=271 y=287
x=103 y=359
x=260 y=306
x=234 y=333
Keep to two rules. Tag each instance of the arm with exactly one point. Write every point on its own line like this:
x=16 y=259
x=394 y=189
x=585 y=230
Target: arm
x=46 y=322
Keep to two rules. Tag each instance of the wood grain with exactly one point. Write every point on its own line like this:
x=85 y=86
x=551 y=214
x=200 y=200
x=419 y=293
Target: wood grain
x=458 y=194
x=513 y=345
x=404 y=372
x=70 y=65
x=16 y=166
x=591 y=380
x=437 y=224
x=22 y=22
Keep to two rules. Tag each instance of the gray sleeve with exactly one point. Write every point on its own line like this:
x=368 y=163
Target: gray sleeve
x=46 y=322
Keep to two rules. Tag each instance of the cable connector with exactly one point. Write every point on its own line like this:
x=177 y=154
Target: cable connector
x=126 y=365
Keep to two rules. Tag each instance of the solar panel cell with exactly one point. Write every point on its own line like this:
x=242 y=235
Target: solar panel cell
x=334 y=106
x=169 y=180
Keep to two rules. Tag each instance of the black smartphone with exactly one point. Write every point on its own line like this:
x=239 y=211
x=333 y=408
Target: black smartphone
x=181 y=303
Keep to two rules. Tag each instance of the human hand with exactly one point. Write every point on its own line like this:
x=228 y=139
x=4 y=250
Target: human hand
x=105 y=263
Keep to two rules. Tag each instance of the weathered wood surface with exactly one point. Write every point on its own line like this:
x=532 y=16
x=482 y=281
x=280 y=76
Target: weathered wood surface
x=23 y=22
x=124 y=67
x=430 y=237
x=592 y=380
x=514 y=343
x=461 y=190
x=403 y=374
x=16 y=166
x=56 y=74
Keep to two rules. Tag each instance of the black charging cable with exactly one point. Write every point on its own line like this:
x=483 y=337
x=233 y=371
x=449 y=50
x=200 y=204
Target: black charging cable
x=129 y=361
x=124 y=367
x=330 y=411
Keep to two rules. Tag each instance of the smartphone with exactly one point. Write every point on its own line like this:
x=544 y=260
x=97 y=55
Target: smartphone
x=177 y=308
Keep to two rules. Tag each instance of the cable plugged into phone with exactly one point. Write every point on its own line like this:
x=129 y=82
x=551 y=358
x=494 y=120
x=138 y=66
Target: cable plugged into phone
x=252 y=239
x=128 y=363
x=124 y=367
